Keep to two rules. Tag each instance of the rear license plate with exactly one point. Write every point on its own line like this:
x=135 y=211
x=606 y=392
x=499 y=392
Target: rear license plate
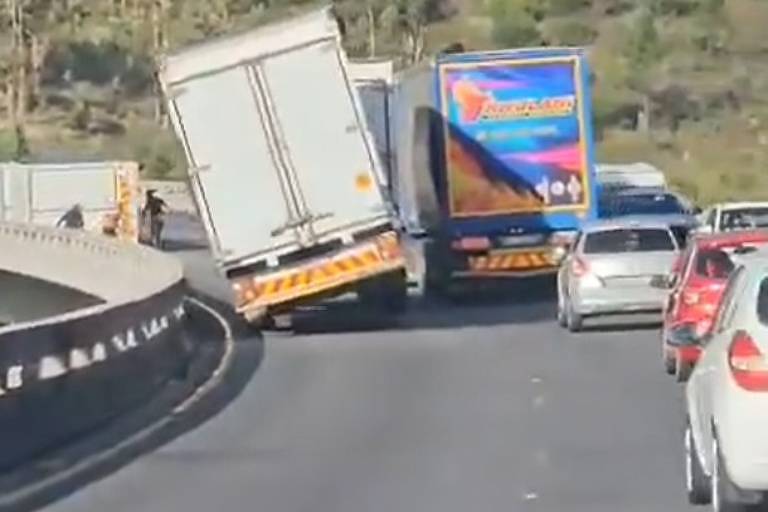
x=520 y=240
x=630 y=281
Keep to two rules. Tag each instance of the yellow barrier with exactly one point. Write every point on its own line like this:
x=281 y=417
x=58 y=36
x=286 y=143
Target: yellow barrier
x=381 y=255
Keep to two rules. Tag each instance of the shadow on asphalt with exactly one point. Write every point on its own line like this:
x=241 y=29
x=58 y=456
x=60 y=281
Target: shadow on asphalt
x=174 y=245
x=57 y=475
x=473 y=304
x=644 y=323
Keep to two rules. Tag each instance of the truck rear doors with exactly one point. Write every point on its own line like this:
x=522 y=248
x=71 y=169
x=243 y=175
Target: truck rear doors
x=279 y=157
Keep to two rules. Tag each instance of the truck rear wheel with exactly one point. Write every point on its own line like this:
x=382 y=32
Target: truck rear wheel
x=388 y=293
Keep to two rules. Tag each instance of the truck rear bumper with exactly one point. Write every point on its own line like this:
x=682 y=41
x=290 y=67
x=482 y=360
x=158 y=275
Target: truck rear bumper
x=363 y=260
x=511 y=274
x=524 y=262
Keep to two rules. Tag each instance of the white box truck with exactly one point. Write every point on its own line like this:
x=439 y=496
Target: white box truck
x=40 y=193
x=282 y=168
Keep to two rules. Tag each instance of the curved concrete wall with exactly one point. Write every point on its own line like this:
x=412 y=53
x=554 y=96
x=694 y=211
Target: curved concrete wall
x=65 y=374
x=113 y=270
x=24 y=299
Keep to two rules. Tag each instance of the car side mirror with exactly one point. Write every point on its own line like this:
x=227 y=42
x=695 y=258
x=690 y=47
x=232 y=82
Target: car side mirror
x=685 y=335
x=697 y=210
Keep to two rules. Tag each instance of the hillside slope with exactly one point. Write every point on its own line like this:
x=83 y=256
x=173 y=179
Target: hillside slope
x=679 y=83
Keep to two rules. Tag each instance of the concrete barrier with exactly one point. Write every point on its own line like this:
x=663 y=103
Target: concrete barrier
x=66 y=374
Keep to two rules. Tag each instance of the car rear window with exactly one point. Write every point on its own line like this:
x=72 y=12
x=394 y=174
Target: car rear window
x=744 y=218
x=628 y=240
x=640 y=204
x=762 y=302
x=714 y=264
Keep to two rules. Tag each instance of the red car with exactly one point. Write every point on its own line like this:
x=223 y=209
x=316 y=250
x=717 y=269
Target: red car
x=698 y=279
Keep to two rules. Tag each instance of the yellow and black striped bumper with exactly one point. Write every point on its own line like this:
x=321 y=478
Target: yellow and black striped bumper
x=382 y=254
x=520 y=262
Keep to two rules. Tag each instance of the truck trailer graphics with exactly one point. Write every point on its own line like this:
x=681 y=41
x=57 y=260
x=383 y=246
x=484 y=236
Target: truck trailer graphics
x=514 y=136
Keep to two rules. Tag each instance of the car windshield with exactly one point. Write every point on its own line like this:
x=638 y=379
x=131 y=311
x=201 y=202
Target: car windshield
x=628 y=240
x=714 y=264
x=640 y=204
x=744 y=218
x=762 y=302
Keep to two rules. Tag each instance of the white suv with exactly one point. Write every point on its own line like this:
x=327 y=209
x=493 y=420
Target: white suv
x=734 y=216
x=726 y=437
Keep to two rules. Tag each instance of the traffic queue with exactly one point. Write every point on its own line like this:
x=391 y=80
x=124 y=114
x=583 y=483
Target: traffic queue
x=706 y=274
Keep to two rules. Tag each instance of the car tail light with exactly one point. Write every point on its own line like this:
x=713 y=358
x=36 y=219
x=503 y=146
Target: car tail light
x=474 y=243
x=749 y=366
x=579 y=267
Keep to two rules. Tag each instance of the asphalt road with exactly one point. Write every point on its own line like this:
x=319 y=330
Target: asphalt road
x=482 y=406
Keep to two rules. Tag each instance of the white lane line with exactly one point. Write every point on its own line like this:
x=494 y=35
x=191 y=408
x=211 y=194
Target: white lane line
x=85 y=464
x=224 y=363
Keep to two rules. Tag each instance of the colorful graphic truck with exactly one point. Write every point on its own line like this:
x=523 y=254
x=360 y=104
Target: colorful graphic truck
x=510 y=155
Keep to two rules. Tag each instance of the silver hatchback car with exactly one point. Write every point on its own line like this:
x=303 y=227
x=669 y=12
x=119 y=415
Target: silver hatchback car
x=616 y=266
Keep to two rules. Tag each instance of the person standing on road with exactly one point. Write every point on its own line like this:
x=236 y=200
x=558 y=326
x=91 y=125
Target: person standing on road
x=154 y=209
x=72 y=218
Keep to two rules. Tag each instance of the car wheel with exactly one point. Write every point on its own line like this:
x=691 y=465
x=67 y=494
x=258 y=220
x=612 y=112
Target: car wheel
x=574 y=321
x=683 y=370
x=696 y=481
x=670 y=363
x=723 y=491
x=562 y=320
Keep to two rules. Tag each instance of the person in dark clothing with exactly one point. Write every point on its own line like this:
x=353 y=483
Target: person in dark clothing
x=72 y=218
x=154 y=211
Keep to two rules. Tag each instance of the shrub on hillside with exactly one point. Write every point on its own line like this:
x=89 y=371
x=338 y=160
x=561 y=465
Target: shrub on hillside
x=515 y=28
x=675 y=7
x=536 y=9
x=570 y=33
x=563 y=7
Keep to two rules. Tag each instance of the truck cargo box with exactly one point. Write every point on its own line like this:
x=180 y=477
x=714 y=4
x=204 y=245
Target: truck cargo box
x=495 y=157
x=274 y=132
x=283 y=167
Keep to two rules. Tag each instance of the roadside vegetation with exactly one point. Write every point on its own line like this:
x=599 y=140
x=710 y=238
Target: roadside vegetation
x=679 y=83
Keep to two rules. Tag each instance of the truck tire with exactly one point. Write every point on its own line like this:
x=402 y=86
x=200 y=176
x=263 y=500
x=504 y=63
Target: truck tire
x=437 y=281
x=388 y=293
x=396 y=295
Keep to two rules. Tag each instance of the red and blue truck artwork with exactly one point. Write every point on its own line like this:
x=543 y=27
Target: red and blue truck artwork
x=514 y=158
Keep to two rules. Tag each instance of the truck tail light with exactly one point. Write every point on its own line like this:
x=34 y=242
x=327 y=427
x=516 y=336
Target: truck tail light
x=748 y=365
x=472 y=243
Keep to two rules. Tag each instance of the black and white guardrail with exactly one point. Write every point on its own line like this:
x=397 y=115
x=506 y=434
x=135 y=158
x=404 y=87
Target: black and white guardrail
x=61 y=376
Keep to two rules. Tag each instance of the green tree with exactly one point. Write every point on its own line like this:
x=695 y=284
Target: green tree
x=712 y=28
x=643 y=51
x=514 y=26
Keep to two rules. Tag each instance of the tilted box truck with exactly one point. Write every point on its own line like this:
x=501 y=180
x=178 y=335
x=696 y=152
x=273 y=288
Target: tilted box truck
x=40 y=193
x=282 y=167
x=495 y=160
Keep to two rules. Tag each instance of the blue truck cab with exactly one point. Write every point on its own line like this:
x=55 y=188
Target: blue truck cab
x=511 y=160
